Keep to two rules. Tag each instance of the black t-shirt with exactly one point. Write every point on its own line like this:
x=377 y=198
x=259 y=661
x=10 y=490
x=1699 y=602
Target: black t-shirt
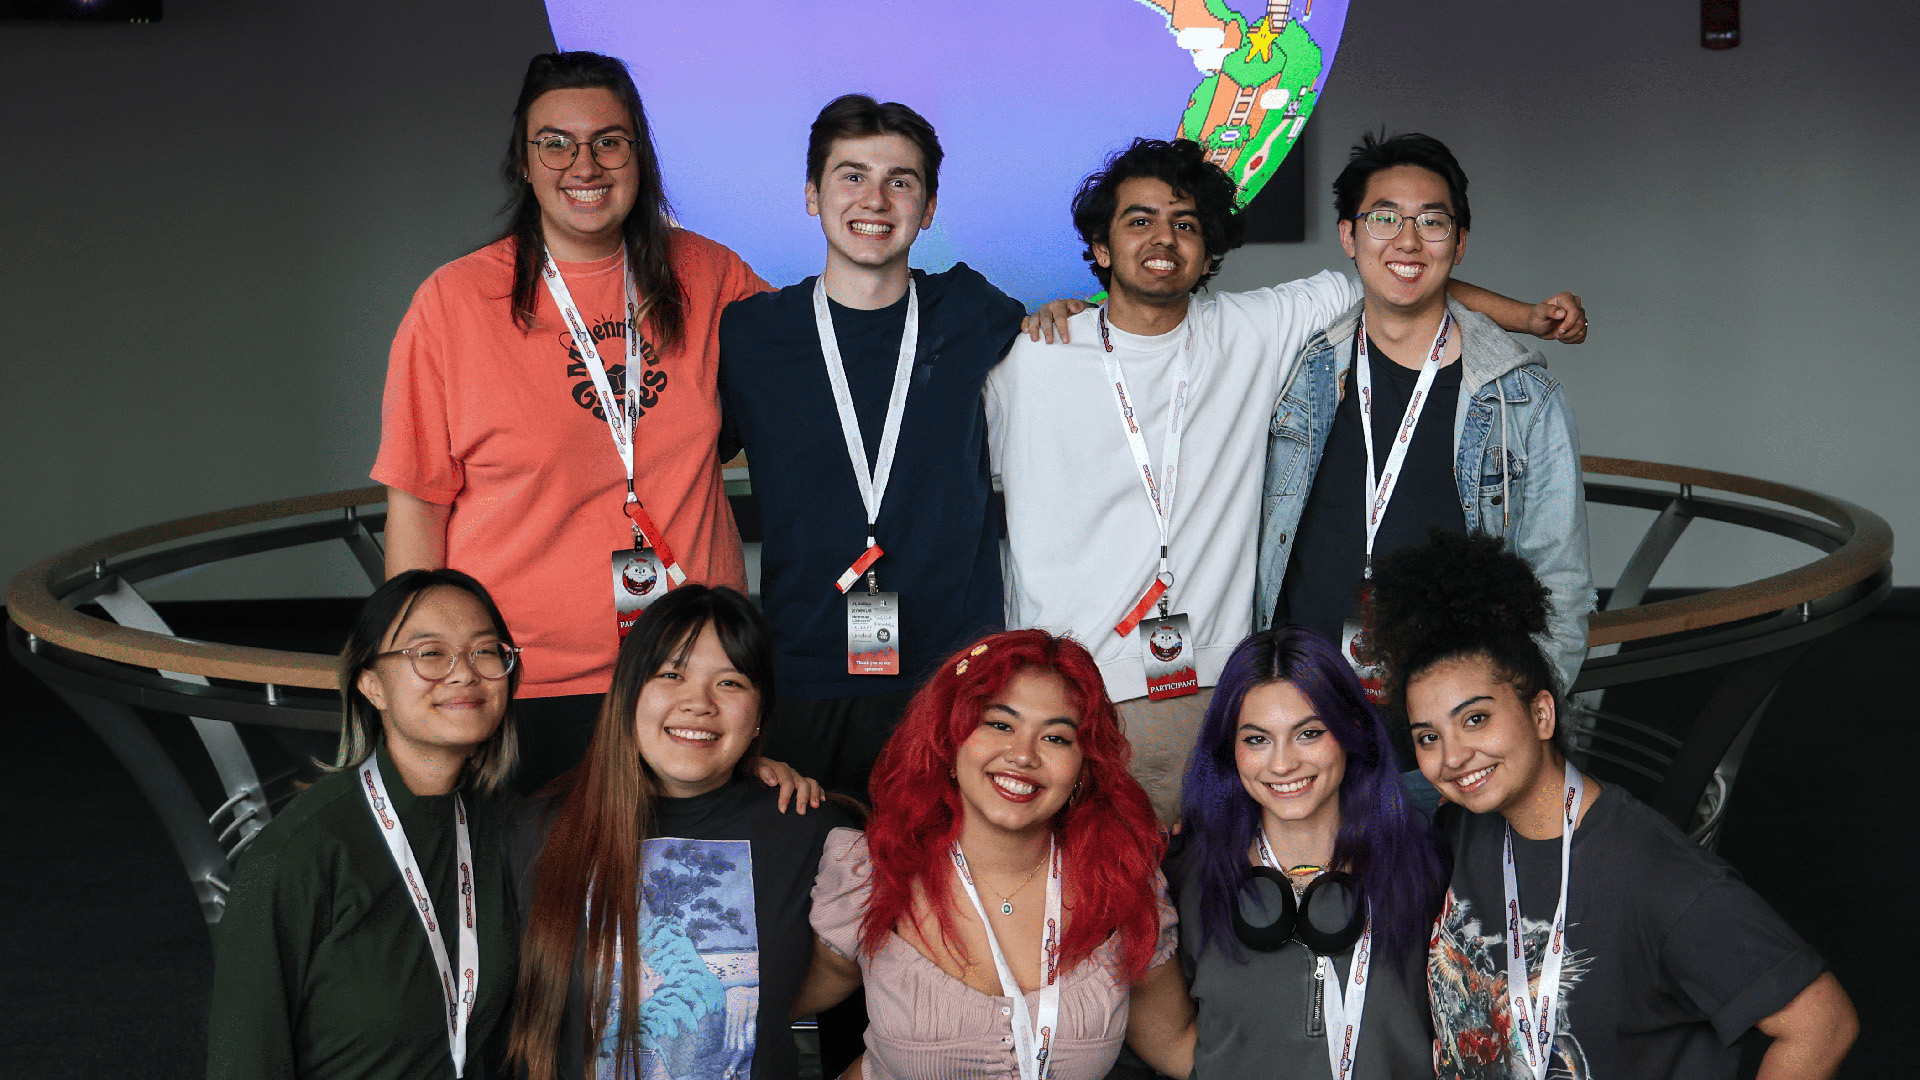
x=937 y=524
x=1670 y=956
x=1329 y=555
x=725 y=933
x=1255 y=1013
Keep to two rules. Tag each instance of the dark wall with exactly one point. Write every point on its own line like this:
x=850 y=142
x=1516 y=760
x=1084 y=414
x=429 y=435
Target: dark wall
x=212 y=226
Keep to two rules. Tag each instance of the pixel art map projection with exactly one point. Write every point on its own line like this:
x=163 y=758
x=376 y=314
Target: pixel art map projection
x=1028 y=97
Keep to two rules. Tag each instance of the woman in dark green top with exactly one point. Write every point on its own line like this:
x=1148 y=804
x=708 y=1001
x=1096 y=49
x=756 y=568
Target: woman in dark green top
x=323 y=962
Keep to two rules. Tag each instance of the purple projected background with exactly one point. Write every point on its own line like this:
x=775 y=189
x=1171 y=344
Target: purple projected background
x=1028 y=97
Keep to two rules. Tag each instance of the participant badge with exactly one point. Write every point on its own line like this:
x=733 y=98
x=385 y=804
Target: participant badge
x=873 y=633
x=1166 y=645
x=639 y=578
x=1352 y=644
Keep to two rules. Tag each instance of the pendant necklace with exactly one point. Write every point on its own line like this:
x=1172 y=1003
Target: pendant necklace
x=1006 y=900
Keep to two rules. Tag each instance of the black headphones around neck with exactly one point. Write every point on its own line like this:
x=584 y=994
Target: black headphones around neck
x=1291 y=925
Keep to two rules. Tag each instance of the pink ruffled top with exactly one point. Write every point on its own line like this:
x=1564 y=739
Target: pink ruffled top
x=927 y=1025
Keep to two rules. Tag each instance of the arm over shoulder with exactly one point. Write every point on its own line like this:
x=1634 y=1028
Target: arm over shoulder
x=1308 y=304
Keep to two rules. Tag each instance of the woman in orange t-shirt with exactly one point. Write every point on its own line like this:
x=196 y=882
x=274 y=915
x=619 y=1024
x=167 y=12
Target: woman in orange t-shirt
x=495 y=447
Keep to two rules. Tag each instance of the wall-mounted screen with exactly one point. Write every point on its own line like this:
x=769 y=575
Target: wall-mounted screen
x=1028 y=97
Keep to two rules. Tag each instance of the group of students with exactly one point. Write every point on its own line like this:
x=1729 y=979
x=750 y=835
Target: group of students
x=1003 y=909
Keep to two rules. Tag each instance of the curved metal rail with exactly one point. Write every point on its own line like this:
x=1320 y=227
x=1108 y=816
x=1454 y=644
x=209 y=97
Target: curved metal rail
x=104 y=669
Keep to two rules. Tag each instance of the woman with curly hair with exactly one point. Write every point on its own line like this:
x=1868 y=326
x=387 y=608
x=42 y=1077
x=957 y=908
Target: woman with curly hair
x=1004 y=905
x=1583 y=935
x=1307 y=882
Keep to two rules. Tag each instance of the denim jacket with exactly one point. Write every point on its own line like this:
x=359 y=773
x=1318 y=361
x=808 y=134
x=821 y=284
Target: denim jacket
x=1516 y=462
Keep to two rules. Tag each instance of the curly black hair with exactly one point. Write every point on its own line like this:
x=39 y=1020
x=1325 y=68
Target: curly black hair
x=1459 y=596
x=1183 y=166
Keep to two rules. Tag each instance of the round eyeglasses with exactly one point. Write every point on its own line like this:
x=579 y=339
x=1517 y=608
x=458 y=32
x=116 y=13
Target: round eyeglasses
x=558 y=152
x=1432 y=226
x=435 y=660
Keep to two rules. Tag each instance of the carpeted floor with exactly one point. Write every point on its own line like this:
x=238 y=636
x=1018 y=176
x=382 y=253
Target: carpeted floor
x=106 y=970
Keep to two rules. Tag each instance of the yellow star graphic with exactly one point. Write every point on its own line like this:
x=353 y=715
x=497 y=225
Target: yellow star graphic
x=1260 y=41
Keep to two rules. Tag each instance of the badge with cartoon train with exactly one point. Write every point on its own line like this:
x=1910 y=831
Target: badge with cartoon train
x=1167 y=649
x=700 y=973
x=639 y=578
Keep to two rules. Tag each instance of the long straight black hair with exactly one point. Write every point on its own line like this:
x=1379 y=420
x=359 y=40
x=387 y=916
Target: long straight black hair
x=587 y=890
x=648 y=229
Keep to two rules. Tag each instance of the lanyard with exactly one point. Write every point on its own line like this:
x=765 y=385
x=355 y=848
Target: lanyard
x=1343 y=1011
x=1534 y=1023
x=622 y=411
x=1031 y=1049
x=873 y=485
x=1160 y=493
x=1379 y=494
x=459 y=1001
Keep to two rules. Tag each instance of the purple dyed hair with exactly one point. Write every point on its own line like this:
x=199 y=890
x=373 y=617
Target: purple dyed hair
x=1383 y=840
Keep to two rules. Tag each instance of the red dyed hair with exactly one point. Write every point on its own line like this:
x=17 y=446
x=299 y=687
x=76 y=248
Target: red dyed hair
x=1109 y=840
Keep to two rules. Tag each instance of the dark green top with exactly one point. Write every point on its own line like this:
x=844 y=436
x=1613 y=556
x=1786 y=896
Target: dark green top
x=321 y=965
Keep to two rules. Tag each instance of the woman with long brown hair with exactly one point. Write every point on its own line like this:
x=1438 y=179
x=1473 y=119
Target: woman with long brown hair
x=551 y=419
x=1004 y=908
x=661 y=873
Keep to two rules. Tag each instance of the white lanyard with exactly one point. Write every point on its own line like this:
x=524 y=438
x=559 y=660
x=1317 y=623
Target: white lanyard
x=459 y=998
x=620 y=412
x=1379 y=494
x=1535 y=1022
x=1160 y=493
x=1343 y=1011
x=873 y=485
x=1030 y=1047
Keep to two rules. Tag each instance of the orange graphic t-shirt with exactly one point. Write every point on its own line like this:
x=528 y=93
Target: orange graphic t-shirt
x=503 y=425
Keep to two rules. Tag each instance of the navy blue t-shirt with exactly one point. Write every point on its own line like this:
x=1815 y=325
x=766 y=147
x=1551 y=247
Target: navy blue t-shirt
x=937 y=525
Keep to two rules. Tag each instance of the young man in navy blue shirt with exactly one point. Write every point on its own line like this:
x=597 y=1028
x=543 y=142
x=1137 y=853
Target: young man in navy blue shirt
x=881 y=549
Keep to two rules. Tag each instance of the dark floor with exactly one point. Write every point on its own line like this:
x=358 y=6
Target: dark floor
x=107 y=969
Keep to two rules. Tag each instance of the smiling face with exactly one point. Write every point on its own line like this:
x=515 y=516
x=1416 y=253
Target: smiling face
x=695 y=719
x=448 y=717
x=1154 y=247
x=1477 y=741
x=1288 y=760
x=1406 y=272
x=871 y=200
x=1018 y=768
x=583 y=206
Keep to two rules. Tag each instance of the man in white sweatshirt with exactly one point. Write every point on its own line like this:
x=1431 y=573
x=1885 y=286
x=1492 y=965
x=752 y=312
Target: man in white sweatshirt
x=1131 y=452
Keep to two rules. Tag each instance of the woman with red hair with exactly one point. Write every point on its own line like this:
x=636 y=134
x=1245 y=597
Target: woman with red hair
x=1005 y=908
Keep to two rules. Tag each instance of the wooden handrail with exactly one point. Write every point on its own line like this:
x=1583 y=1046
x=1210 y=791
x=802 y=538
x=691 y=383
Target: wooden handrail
x=32 y=605
x=1868 y=549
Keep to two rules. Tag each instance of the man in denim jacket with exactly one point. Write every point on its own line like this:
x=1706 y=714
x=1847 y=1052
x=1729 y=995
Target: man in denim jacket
x=1499 y=425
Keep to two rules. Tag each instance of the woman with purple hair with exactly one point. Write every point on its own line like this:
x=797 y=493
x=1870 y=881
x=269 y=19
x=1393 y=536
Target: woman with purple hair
x=1307 y=883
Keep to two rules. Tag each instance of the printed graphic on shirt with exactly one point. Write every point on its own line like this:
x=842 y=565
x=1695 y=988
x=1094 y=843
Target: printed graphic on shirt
x=700 y=952
x=610 y=339
x=1467 y=974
